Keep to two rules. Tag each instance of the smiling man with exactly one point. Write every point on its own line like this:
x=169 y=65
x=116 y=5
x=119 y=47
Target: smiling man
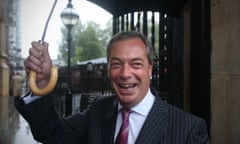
x=129 y=69
x=134 y=115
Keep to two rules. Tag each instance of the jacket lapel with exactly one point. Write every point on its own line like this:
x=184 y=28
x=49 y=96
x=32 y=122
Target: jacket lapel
x=155 y=128
x=109 y=121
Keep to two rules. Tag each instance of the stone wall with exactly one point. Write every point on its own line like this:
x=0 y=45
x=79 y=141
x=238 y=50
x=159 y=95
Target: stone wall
x=225 y=72
x=4 y=69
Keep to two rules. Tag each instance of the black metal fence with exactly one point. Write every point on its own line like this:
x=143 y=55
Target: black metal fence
x=88 y=81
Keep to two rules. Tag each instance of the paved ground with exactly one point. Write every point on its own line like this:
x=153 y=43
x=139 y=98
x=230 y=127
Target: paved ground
x=13 y=128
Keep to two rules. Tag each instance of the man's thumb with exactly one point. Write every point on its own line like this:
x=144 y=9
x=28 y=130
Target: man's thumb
x=45 y=52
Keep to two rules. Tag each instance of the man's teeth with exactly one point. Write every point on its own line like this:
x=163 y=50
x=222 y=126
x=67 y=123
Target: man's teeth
x=127 y=85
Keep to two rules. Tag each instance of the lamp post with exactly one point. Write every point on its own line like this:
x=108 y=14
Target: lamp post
x=69 y=18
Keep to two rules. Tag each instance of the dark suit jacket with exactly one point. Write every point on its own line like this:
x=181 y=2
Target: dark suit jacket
x=165 y=124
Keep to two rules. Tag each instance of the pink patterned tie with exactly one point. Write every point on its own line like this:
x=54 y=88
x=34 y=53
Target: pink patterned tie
x=122 y=137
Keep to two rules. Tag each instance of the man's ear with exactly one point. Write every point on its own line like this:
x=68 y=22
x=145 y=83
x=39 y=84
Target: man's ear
x=150 y=69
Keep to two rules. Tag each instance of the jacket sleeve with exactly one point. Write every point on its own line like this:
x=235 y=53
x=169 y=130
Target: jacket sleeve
x=47 y=126
x=41 y=117
x=198 y=133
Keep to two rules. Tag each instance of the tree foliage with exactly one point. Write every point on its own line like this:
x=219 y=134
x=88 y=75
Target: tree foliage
x=88 y=42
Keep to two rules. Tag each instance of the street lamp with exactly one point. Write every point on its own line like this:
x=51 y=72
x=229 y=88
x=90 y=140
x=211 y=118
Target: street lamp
x=69 y=18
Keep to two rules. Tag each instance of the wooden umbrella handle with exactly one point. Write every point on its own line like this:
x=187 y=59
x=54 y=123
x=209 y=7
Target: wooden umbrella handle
x=50 y=86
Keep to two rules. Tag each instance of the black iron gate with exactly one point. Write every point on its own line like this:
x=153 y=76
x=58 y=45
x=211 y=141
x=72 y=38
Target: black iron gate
x=166 y=34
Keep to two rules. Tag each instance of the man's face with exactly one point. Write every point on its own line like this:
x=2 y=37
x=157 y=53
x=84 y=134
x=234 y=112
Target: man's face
x=129 y=71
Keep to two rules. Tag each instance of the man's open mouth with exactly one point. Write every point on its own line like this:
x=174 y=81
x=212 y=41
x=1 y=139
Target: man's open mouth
x=126 y=86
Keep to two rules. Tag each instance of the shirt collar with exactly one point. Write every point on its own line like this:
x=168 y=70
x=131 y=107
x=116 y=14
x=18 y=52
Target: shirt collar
x=144 y=106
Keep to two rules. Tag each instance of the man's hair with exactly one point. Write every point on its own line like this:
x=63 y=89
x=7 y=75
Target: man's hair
x=128 y=35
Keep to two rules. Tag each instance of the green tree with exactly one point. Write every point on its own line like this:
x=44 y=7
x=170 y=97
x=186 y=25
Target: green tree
x=89 y=42
x=105 y=34
x=88 y=45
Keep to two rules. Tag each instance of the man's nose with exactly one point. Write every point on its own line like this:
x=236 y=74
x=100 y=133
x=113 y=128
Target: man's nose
x=126 y=71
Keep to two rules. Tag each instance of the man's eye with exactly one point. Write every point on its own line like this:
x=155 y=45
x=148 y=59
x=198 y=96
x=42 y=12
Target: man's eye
x=115 y=65
x=137 y=65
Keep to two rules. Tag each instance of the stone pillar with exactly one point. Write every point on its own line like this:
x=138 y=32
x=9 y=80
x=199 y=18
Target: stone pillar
x=225 y=72
x=4 y=69
x=4 y=72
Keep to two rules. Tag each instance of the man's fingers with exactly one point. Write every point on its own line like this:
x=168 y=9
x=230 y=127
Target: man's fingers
x=35 y=51
x=40 y=76
x=38 y=60
x=34 y=61
x=45 y=51
x=31 y=63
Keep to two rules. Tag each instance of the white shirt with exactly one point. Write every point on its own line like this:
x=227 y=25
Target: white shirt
x=30 y=98
x=136 y=118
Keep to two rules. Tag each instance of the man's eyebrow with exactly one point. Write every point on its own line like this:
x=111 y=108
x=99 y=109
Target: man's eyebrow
x=133 y=59
x=137 y=59
x=114 y=58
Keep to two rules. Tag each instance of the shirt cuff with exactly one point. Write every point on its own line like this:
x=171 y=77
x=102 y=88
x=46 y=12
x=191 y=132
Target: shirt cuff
x=30 y=98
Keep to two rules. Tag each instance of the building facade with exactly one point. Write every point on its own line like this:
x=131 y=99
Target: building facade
x=14 y=35
x=10 y=42
x=4 y=68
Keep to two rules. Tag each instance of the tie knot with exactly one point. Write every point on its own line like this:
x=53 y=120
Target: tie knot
x=125 y=113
